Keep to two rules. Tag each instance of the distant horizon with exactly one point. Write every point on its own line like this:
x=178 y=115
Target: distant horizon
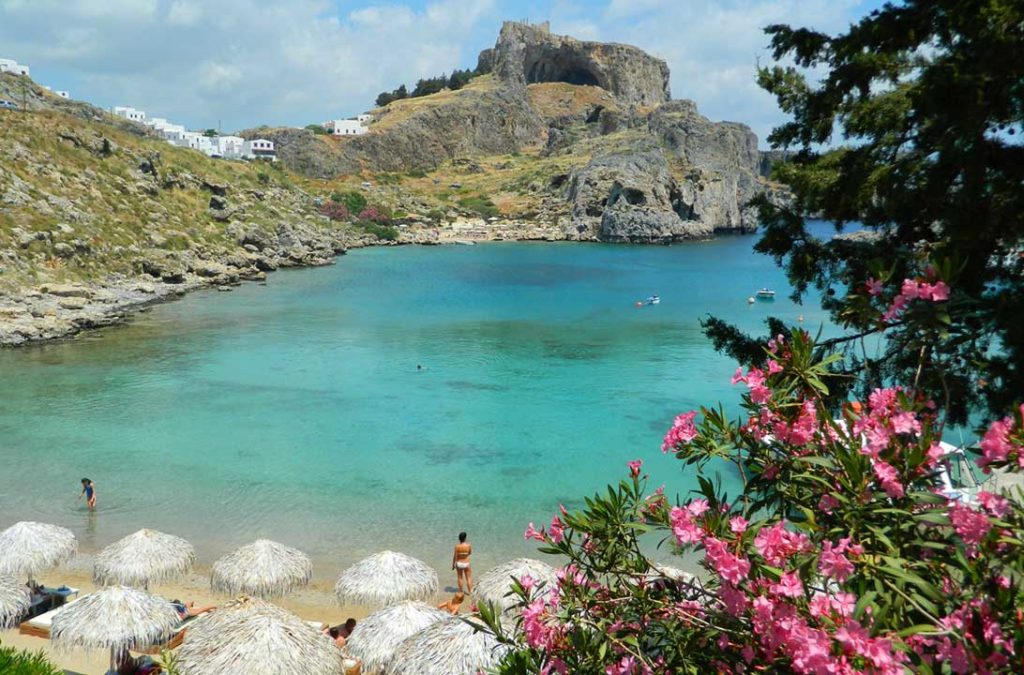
x=239 y=64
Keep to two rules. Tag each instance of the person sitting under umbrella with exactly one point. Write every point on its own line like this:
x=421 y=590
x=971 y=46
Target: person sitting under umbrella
x=189 y=610
x=341 y=632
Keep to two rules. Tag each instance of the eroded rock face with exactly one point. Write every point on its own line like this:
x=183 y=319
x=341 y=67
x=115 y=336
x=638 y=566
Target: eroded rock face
x=526 y=54
x=632 y=198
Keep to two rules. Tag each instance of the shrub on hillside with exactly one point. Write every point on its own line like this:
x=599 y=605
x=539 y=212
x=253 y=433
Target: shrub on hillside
x=376 y=214
x=480 y=205
x=335 y=210
x=385 y=232
x=353 y=201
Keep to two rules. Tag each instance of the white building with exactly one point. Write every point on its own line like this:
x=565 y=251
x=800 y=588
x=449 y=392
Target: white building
x=365 y=118
x=346 y=127
x=62 y=94
x=129 y=113
x=230 y=146
x=259 y=148
x=12 y=66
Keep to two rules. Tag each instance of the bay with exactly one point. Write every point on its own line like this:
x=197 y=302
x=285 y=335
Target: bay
x=296 y=411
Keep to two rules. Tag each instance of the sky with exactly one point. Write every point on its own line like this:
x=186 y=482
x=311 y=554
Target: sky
x=235 y=64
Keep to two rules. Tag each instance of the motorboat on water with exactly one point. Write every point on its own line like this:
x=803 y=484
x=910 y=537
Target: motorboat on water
x=651 y=300
x=766 y=294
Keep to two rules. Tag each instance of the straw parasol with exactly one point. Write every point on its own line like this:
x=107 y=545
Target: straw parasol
x=14 y=601
x=28 y=548
x=495 y=585
x=115 y=618
x=376 y=637
x=263 y=568
x=449 y=647
x=386 y=578
x=143 y=558
x=252 y=636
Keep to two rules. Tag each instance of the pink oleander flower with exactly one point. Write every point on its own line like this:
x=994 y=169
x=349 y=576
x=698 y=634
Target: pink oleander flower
x=996 y=505
x=683 y=431
x=738 y=376
x=685 y=530
x=833 y=563
x=537 y=631
x=936 y=292
x=557 y=530
x=738 y=524
x=698 y=507
x=625 y=666
x=874 y=286
x=634 y=466
x=906 y=423
x=996 y=447
x=776 y=544
x=734 y=600
x=527 y=582
x=773 y=367
x=889 y=479
x=828 y=503
x=730 y=568
x=789 y=586
x=533 y=533
x=970 y=525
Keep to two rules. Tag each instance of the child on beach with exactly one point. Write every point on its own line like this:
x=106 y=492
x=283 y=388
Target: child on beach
x=460 y=563
x=89 y=491
x=452 y=606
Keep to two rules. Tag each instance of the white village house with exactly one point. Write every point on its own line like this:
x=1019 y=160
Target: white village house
x=259 y=148
x=129 y=113
x=12 y=66
x=349 y=127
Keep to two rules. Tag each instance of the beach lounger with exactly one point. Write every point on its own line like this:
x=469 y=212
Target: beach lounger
x=173 y=641
x=39 y=626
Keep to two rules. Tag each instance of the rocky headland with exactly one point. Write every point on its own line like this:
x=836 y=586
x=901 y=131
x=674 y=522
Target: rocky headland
x=609 y=156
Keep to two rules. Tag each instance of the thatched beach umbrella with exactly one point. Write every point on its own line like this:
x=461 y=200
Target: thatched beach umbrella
x=495 y=585
x=386 y=578
x=14 y=601
x=263 y=568
x=376 y=637
x=251 y=636
x=28 y=548
x=449 y=647
x=114 y=618
x=143 y=558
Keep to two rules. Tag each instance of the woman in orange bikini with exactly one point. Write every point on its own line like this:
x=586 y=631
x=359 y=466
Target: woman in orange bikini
x=460 y=563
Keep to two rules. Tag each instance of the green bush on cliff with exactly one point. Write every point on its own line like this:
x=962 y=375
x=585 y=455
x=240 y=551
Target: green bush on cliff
x=384 y=232
x=353 y=201
x=480 y=205
x=20 y=662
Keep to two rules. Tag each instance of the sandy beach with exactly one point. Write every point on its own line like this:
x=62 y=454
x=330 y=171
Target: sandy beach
x=313 y=603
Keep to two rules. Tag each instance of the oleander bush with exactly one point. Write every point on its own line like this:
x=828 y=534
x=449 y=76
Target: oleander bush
x=22 y=662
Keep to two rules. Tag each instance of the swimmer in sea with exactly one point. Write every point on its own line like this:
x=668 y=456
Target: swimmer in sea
x=460 y=563
x=89 y=492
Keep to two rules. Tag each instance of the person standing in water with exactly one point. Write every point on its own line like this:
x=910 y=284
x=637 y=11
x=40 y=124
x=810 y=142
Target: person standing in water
x=89 y=492
x=460 y=563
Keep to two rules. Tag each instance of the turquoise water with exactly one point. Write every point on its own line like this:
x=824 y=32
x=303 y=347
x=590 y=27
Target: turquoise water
x=296 y=412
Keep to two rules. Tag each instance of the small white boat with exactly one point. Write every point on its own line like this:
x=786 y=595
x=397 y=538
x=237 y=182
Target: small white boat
x=766 y=294
x=653 y=300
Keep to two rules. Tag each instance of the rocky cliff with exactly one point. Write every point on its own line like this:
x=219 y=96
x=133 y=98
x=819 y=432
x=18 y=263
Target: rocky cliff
x=613 y=158
x=528 y=54
x=96 y=219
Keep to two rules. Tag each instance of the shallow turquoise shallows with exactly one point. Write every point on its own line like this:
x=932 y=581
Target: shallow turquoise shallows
x=296 y=411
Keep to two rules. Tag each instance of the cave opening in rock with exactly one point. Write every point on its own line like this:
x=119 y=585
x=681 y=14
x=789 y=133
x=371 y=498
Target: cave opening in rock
x=545 y=70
